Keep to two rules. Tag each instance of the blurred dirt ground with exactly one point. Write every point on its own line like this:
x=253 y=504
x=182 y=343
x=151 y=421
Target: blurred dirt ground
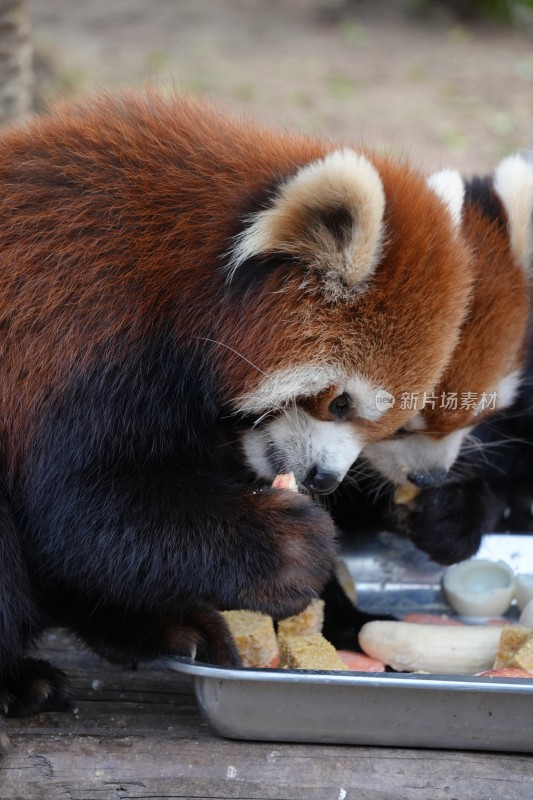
x=439 y=91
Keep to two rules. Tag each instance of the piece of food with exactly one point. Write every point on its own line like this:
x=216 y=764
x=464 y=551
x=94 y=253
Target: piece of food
x=523 y=590
x=344 y=577
x=359 y=662
x=522 y=658
x=430 y=619
x=506 y=672
x=511 y=638
x=406 y=493
x=526 y=617
x=309 y=621
x=254 y=636
x=478 y=587
x=515 y=648
x=408 y=646
x=285 y=481
x=309 y=652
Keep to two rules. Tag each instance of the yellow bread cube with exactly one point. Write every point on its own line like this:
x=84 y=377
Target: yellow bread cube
x=254 y=637
x=310 y=620
x=523 y=657
x=512 y=638
x=309 y=652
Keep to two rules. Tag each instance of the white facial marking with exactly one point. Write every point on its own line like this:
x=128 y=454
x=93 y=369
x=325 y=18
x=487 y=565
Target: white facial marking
x=285 y=385
x=416 y=423
x=507 y=389
x=282 y=387
x=370 y=401
x=449 y=187
x=396 y=458
x=295 y=441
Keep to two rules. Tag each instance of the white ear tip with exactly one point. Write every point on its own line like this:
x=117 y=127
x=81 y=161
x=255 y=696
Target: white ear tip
x=527 y=156
x=296 y=222
x=518 y=162
x=513 y=182
x=513 y=175
x=449 y=187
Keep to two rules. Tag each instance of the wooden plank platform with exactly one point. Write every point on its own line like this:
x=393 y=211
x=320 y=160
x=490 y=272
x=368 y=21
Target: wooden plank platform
x=139 y=735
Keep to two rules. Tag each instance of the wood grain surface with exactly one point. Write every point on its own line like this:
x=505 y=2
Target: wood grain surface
x=138 y=734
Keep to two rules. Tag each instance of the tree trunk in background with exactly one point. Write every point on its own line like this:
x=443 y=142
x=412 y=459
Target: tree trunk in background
x=16 y=61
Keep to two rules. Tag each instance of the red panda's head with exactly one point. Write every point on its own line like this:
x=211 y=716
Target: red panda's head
x=484 y=372
x=290 y=284
x=347 y=287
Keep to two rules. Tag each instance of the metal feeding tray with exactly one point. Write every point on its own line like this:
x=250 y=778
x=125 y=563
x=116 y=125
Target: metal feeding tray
x=390 y=709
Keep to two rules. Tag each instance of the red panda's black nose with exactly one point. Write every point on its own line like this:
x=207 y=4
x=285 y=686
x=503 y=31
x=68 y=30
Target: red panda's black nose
x=426 y=478
x=320 y=482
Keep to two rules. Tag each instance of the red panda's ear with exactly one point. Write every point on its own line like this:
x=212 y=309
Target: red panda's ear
x=449 y=187
x=330 y=216
x=513 y=182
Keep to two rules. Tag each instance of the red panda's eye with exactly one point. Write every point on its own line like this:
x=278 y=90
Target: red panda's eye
x=340 y=405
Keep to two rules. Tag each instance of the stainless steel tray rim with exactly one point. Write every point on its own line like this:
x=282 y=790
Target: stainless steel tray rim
x=389 y=680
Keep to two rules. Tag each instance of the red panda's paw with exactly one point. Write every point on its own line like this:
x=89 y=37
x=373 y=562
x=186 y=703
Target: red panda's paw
x=447 y=522
x=197 y=631
x=202 y=635
x=37 y=686
x=302 y=540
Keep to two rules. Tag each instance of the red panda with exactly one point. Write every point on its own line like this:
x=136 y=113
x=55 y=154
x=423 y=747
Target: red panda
x=173 y=283
x=484 y=371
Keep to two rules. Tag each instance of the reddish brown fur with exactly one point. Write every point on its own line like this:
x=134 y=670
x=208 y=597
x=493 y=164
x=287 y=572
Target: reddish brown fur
x=66 y=255
x=491 y=344
x=127 y=514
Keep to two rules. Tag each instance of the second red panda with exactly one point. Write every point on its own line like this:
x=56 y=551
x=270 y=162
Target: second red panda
x=485 y=369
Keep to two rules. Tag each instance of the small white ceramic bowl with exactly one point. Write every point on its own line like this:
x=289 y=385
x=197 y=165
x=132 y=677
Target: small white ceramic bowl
x=479 y=588
x=523 y=590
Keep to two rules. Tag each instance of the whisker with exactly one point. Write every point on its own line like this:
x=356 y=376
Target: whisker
x=260 y=419
x=232 y=349
x=229 y=443
x=472 y=443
